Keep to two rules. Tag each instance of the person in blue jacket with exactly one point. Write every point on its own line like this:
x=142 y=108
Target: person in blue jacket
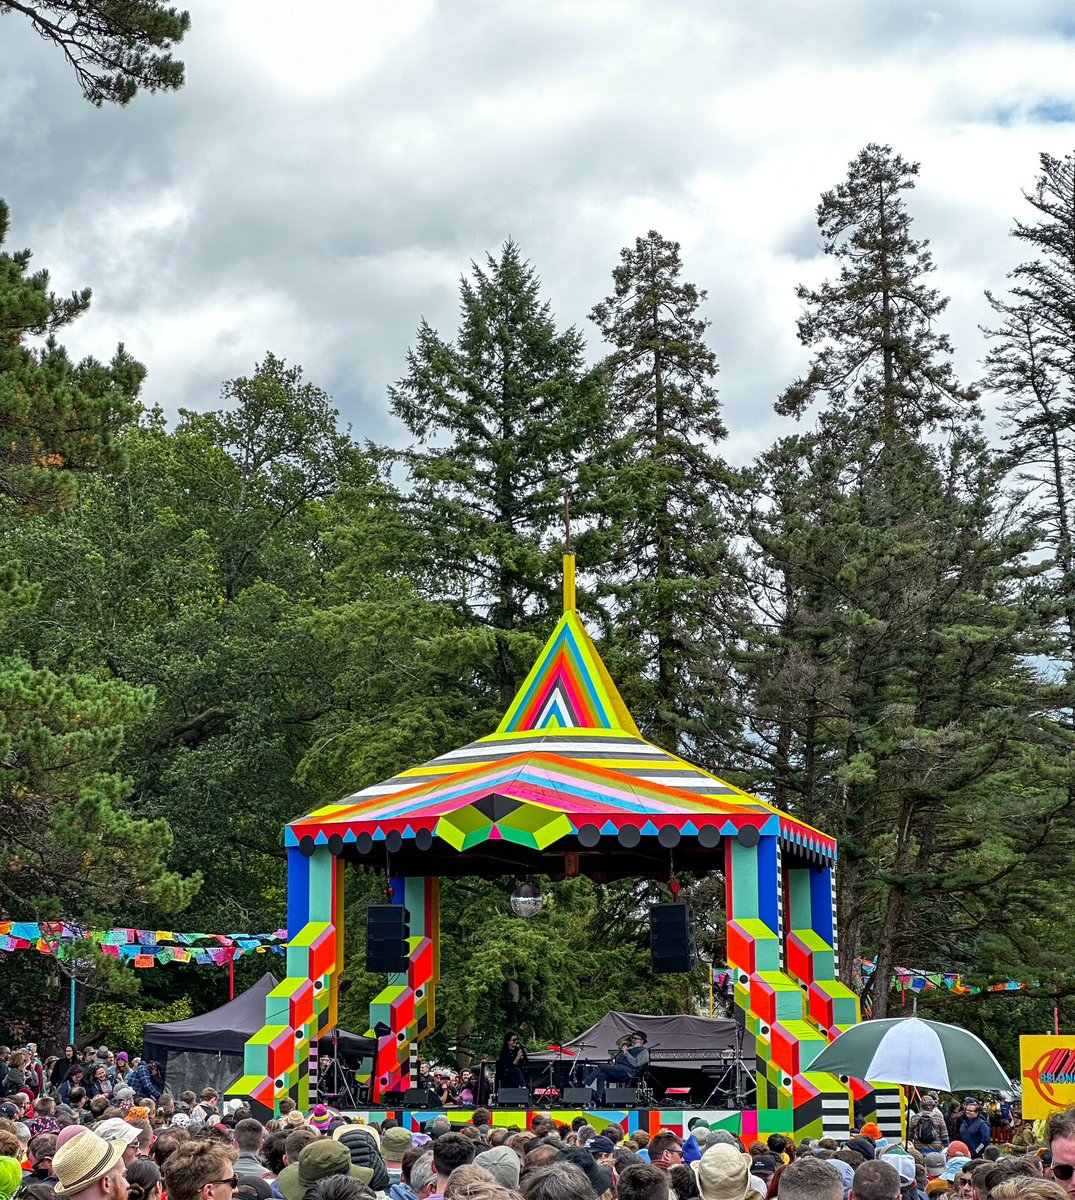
x=974 y=1128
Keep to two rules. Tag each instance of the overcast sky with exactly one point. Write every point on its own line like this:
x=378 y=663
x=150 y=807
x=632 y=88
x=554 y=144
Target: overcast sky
x=332 y=167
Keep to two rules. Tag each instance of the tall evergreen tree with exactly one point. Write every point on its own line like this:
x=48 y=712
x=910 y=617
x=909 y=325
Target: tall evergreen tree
x=1031 y=364
x=505 y=416
x=880 y=359
x=663 y=497
x=888 y=679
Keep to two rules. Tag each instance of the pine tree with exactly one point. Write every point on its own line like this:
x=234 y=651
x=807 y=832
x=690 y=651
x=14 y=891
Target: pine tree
x=114 y=47
x=1032 y=366
x=57 y=418
x=663 y=496
x=504 y=416
x=888 y=677
x=880 y=359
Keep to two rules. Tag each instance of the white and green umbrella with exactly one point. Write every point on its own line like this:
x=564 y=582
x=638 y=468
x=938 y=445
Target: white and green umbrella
x=915 y=1053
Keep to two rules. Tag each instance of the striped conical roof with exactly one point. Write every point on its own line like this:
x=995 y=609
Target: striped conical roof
x=566 y=760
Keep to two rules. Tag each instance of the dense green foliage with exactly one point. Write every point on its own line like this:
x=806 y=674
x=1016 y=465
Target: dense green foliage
x=207 y=629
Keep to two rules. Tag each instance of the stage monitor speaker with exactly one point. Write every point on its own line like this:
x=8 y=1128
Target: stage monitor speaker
x=387 y=930
x=671 y=938
x=417 y=1098
x=577 y=1095
x=512 y=1096
x=619 y=1097
x=391 y=1099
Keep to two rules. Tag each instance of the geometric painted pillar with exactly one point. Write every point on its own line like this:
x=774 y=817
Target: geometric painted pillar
x=407 y=1004
x=755 y=953
x=781 y=939
x=303 y=1007
x=831 y=1007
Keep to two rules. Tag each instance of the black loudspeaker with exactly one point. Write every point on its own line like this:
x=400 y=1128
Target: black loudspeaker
x=417 y=1098
x=619 y=1097
x=578 y=1095
x=671 y=938
x=387 y=930
x=513 y=1096
x=391 y=1099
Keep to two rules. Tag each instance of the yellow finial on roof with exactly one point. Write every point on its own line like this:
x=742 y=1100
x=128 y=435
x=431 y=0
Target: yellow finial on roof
x=569 y=583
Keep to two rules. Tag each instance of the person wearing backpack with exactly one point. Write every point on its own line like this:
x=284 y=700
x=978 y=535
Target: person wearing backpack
x=928 y=1130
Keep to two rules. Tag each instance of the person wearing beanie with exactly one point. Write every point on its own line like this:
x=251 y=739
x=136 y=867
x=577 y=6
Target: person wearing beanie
x=322 y=1118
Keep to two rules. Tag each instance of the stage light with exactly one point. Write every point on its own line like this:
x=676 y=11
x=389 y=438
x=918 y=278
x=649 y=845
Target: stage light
x=526 y=900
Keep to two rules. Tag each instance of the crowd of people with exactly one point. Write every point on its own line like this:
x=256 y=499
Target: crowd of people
x=102 y=1126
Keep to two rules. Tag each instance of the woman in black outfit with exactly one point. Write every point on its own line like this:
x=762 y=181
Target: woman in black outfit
x=510 y=1063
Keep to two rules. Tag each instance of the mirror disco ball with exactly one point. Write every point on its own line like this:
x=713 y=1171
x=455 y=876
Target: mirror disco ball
x=527 y=901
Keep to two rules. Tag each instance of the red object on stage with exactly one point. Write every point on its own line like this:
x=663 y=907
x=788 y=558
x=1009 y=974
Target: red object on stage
x=563 y=1050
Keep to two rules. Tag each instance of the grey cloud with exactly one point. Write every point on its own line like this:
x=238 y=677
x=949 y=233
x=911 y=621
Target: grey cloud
x=246 y=213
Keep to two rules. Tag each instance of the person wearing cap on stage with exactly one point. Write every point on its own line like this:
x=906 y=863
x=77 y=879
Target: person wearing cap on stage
x=630 y=1062
x=90 y=1167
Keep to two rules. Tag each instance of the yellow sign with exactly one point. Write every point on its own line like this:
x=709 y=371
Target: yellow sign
x=1047 y=1066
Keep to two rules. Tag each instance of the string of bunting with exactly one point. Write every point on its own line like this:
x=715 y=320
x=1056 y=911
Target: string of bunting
x=140 y=947
x=905 y=979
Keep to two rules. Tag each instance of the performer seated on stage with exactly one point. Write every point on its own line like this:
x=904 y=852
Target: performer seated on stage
x=510 y=1062
x=632 y=1060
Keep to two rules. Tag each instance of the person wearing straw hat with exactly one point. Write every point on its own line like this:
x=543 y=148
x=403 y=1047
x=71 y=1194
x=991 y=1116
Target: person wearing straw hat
x=724 y=1174
x=89 y=1167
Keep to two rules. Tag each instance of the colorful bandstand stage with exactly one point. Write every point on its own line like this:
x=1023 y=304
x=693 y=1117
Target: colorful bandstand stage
x=567 y=786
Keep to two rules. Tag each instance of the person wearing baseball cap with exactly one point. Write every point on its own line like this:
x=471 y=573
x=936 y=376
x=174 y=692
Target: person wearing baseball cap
x=90 y=1167
x=116 y=1129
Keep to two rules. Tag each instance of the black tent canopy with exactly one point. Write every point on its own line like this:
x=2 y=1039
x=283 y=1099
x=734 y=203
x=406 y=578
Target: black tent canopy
x=207 y=1050
x=676 y=1039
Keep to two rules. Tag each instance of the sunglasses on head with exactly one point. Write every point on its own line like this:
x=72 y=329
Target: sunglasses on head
x=1063 y=1171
